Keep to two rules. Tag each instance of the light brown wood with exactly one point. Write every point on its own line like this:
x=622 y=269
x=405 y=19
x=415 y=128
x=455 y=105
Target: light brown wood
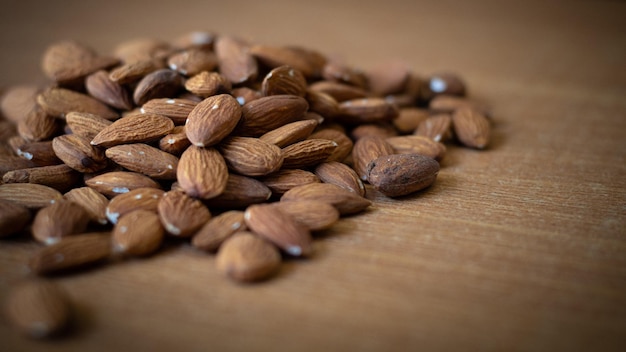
x=521 y=247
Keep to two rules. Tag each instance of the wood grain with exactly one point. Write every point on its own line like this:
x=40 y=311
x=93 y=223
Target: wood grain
x=517 y=248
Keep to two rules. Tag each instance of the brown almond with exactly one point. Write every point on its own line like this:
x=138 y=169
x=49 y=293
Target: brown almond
x=344 y=143
x=18 y=101
x=140 y=49
x=145 y=159
x=202 y=172
x=38 y=126
x=67 y=62
x=383 y=131
x=137 y=199
x=322 y=103
x=175 y=142
x=341 y=175
x=117 y=182
x=417 y=145
x=366 y=110
x=38 y=308
x=251 y=156
x=312 y=214
x=367 y=149
x=240 y=192
x=30 y=195
x=279 y=228
x=85 y=124
x=40 y=153
x=72 y=252
x=182 y=215
x=58 y=102
x=446 y=83
x=471 y=127
x=449 y=104
x=61 y=219
x=235 y=61
x=297 y=58
x=345 y=201
x=162 y=83
x=245 y=95
x=436 y=127
x=409 y=118
x=212 y=120
x=206 y=84
x=138 y=233
x=136 y=128
x=195 y=40
x=192 y=61
x=94 y=203
x=339 y=72
x=283 y=180
x=60 y=177
x=284 y=80
x=267 y=113
x=388 y=77
x=176 y=109
x=77 y=152
x=11 y=162
x=247 y=257
x=290 y=133
x=338 y=91
x=13 y=217
x=308 y=153
x=218 y=229
x=402 y=174
x=134 y=71
x=101 y=87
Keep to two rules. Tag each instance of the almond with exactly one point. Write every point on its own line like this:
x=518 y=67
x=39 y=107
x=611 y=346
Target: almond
x=449 y=104
x=85 y=124
x=388 y=77
x=162 y=83
x=366 y=110
x=117 y=182
x=218 y=229
x=290 y=133
x=338 y=72
x=67 y=62
x=279 y=228
x=202 y=172
x=275 y=56
x=251 y=156
x=38 y=125
x=446 y=83
x=176 y=109
x=145 y=159
x=192 y=61
x=59 y=101
x=307 y=153
x=409 y=118
x=322 y=103
x=60 y=177
x=182 y=215
x=341 y=175
x=235 y=61
x=338 y=91
x=77 y=152
x=417 y=145
x=40 y=153
x=138 y=233
x=142 y=49
x=61 y=219
x=72 y=252
x=175 y=142
x=136 y=128
x=312 y=214
x=471 y=127
x=18 y=101
x=367 y=149
x=13 y=218
x=240 y=192
x=212 y=120
x=402 y=174
x=383 y=131
x=30 y=195
x=137 y=199
x=206 y=84
x=284 y=80
x=436 y=127
x=344 y=143
x=101 y=87
x=283 y=180
x=265 y=114
x=345 y=201
x=38 y=308
x=94 y=203
x=247 y=257
x=245 y=95
x=134 y=71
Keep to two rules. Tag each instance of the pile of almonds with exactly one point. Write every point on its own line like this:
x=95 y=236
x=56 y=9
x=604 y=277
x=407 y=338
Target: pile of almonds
x=244 y=149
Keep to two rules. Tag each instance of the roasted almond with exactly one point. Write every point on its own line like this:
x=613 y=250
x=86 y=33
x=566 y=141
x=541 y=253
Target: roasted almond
x=402 y=174
x=283 y=180
x=61 y=219
x=117 y=182
x=367 y=149
x=240 y=192
x=77 y=152
x=13 y=217
x=284 y=80
x=85 y=124
x=247 y=257
x=60 y=177
x=341 y=175
x=251 y=156
x=345 y=201
x=145 y=159
x=213 y=233
x=307 y=153
x=265 y=114
x=279 y=228
x=182 y=215
x=93 y=202
x=206 y=84
x=101 y=87
x=30 y=195
x=136 y=128
x=138 y=233
x=471 y=127
x=314 y=215
x=162 y=83
x=60 y=101
x=212 y=120
x=417 y=145
x=176 y=109
x=235 y=61
x=339 y=72
x=137 y=199
x=202 y=172
x=290 y=133
x=72 y=252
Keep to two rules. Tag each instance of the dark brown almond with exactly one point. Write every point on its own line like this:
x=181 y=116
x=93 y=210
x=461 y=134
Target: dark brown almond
x=284 y=80
x=60 y=177
x=136 y=128
x=402 y=174
x=283 y=180
x=235 y=61
x=145 y=159
x=240 y=192
x=93 y=202
x=13 y=217
x=206 y=84
x=202 y=172
x=308 y=153
x=247 y=257
x=344 y=143
x=176 y=109
x=134 y=71
x=290 y=133
x=279 y=228
x=182 y=215
x=162 y=83
x=367 y=110
x=101 y=87
x=61 y=219
x=77 y=152
x=67 y=62
x=58 y=102
x=251 y=156
x=338 y=91
x=137 y=199
x=212 y=120
x=417 y=145
x=471 y=127
x=38 y=308
x=138 y=233
x=388 y=77
x=85 y=124
x=436 y=127
x=345 y=201
x=117 y=182
x=30 y=195
x=265 y=114
x=367 y=149
x=312 y=214
x=192 y=61
x=341 y=175
x=72 y=252
x=218 y=229
x=40 y=153
x=409 y=118
x=175 y=142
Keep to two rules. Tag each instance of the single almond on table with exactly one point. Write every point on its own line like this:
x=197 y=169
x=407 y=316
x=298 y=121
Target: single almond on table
x=279 y=228
x=251 y=156
x=345 y=201
x=202 y=172
x=72 y=252
x=30 y=195
x=59 y=220
x=314 y=215
x=213 y=233
x=136 y=128
x=247 y=257
x=212 y=120
x=283 y=180
x=367 y=149
x=341 y=175
x=145 y=159
x=402 y=174
x=137 y=199
x=117 y=182
x=13 y=218
x=138 y=233
x=38 y=308
x=182 y=215
x=93 y=202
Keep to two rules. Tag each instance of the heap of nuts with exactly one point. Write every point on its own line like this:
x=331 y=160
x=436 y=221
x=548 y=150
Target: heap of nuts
x=244 y=149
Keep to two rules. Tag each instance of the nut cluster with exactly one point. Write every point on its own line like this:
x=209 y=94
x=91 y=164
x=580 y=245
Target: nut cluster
x=246 y=150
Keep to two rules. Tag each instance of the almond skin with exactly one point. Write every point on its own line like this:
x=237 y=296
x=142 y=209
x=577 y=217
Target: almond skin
x=290 y=133
x=30 y=195
x=240 y=192
x=345 y=201
x=409 y=119
x=175 y=142
x=307 y=153
x=265 y=114
x=13 y=218
x=59 y=220
x=417 y=145
x=344 y=144
x=401 y=174
x=367 y=149
x=206 y=84
x=246 y=257
x=162 y=83
x=234 y=60
x=212 y=120
x=77 y=152
x=283 y=180
x=341 y=175
x=94 y=203
x=138 y=233
x=60 y=177
x=86 y=125
x=202 y=172
x=298 y=58
x=367 y=110
x=284 y=80
x=279 y=228
x=192 y=61
x=437 y=127
x=101 y=87
x=137 y=199
x=136 y=128
x=67 y=62
x=471 y=127
x=145 y=159
x=251 y=156
x=117 y=182
x=182 y=215
x=176 y=109
x=218 y=229
x=58 y=102
x=38 y=308
x=71 y=253
x=314 y=215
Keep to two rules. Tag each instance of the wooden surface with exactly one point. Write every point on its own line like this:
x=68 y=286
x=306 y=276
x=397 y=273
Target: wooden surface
x=518 y=248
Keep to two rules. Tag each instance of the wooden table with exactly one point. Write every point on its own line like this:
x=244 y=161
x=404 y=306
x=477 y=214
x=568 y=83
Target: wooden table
x=519 y=247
